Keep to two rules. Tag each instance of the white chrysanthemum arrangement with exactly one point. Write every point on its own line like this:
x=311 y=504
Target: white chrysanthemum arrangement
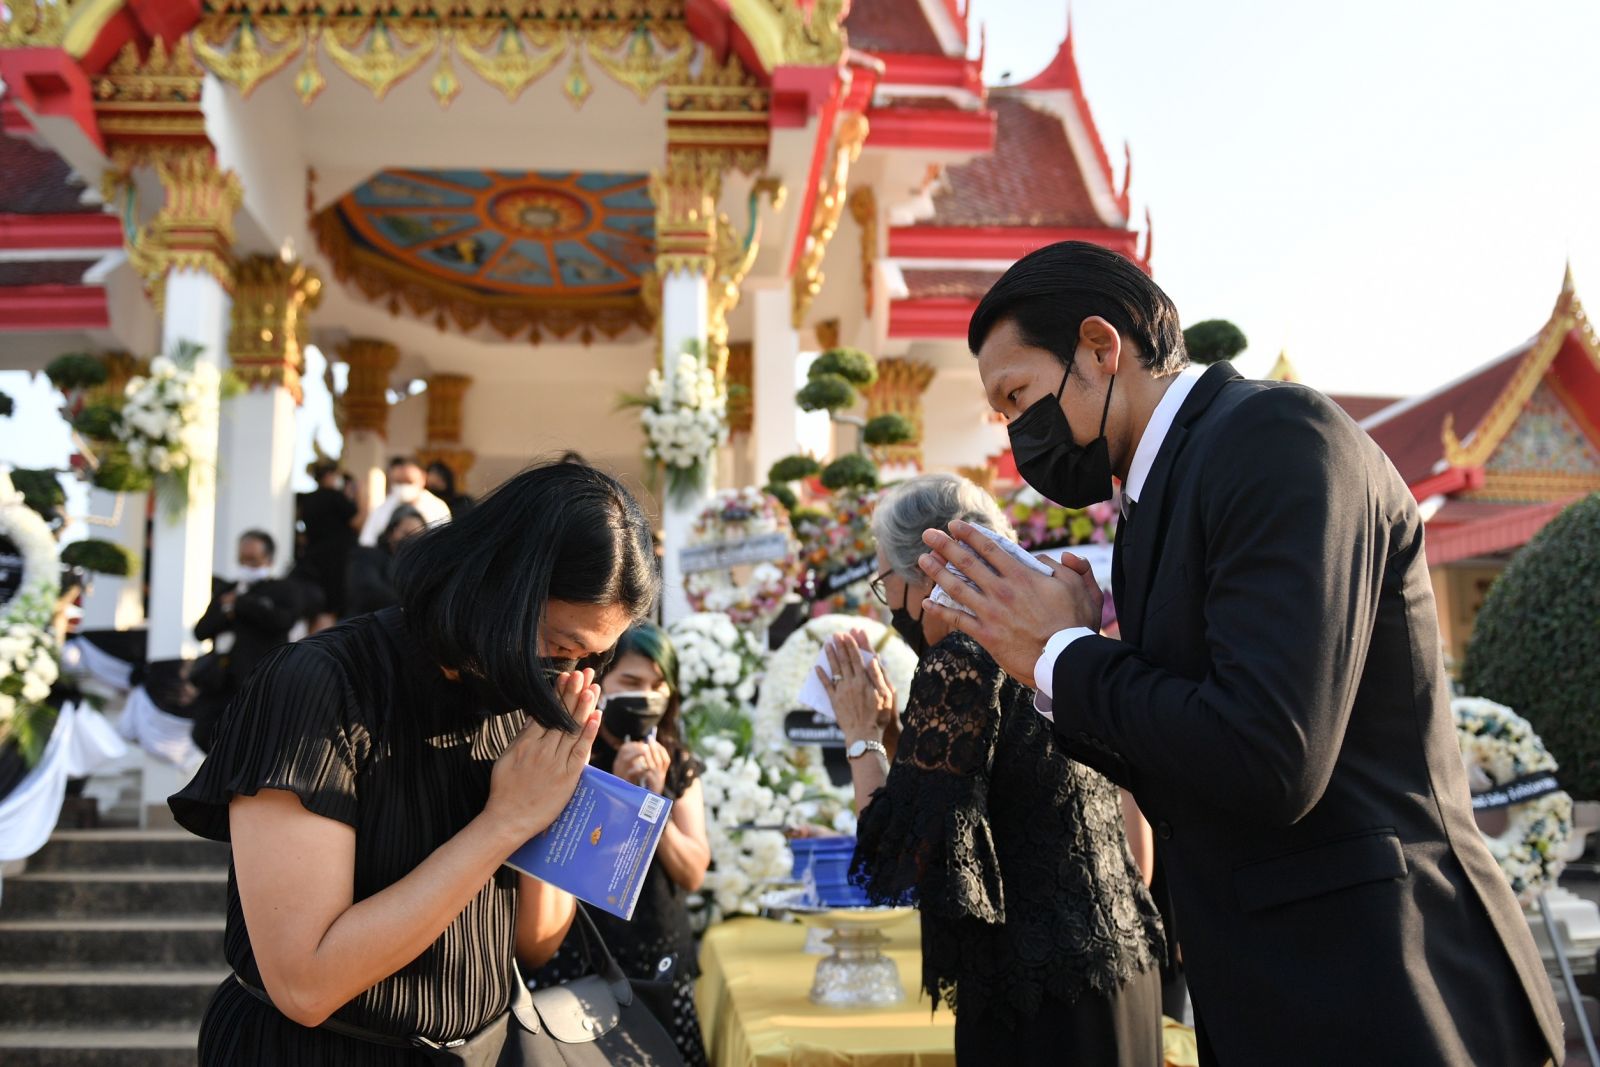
x=685 y=419
x=28 y=654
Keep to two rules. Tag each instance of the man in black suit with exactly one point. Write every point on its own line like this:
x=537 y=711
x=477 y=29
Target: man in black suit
x=1277 y=703
x=246 y=619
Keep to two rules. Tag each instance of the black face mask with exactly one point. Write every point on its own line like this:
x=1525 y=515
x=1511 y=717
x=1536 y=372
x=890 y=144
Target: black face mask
x=909 y=629
x=631 y=716
x=1062 y=470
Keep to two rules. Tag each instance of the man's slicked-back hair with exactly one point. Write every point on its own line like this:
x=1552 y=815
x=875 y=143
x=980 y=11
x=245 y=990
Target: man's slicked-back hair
x=1048 y=294
x=474 y=590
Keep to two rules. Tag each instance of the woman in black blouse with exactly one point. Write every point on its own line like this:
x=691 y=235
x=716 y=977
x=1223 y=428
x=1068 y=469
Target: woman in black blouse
x=1037 y=929
x=641 y=740
x=373 y=778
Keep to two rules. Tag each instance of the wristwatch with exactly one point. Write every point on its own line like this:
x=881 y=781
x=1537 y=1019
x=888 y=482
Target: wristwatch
x=858 y=749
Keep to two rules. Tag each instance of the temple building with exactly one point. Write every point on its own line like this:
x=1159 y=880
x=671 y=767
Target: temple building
x=1496 y=454
x=499 y=217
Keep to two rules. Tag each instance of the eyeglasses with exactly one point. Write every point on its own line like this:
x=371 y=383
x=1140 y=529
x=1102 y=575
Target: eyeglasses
x=877 y=587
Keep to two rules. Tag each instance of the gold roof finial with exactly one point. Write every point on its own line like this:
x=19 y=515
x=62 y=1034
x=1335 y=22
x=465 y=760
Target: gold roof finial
x=1283 y=370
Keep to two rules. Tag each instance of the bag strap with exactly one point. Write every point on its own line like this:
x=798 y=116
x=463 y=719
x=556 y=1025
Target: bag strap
x=601 y=961
x=334 y=1026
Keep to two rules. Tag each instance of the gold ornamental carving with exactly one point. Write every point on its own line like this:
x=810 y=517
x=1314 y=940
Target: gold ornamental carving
x=685 y=193
x=138 y=98
x=34 y=23
x=267 y=338
x=864 y=210
x=510 y=44
x=194 y=228
x=734 y=257
x=366 y=392
x=793 y=32
x=1567 y=318
x=830 y=204
x=446 y=399
x=898 y=391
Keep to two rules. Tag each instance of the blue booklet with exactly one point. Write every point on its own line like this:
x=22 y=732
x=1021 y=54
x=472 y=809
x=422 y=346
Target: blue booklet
x=600 y=847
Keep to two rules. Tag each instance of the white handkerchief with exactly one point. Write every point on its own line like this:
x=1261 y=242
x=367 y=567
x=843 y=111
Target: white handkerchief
x=1012 y=549
x=814 y=695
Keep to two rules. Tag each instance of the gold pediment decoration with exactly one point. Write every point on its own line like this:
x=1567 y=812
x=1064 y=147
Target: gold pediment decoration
x=1568 y=317
x=829 y=208
x=510 y=44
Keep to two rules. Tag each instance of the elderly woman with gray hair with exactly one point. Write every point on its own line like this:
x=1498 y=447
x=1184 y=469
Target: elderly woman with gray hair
x=1033 y=907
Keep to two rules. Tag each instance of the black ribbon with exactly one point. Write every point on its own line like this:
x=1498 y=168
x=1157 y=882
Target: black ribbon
x=1517 y=791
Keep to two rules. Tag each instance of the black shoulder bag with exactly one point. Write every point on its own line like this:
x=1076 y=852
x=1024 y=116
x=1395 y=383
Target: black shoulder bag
x=594 y=1021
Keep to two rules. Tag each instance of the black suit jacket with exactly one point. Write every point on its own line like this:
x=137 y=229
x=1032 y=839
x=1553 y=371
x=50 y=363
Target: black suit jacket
x=1277 y=705
x=262 y=617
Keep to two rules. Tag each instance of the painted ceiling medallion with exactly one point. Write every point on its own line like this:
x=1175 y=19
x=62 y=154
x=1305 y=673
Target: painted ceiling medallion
x=500 y=240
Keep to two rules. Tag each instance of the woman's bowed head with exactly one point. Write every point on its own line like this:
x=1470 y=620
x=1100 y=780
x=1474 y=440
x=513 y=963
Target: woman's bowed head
x=520 y=618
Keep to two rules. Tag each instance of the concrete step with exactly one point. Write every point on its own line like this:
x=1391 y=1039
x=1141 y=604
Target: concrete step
x=103 y=894
x=194 y=941
x=121 y=999
x=78 y=1047
x=92 y=850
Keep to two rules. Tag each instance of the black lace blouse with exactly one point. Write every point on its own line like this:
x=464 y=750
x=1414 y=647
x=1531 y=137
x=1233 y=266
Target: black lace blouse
x=1015 y=855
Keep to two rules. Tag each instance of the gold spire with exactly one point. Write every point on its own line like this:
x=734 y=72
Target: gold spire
x=1283 y=370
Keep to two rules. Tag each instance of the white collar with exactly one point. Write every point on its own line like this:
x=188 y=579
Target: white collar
x=1144 y=457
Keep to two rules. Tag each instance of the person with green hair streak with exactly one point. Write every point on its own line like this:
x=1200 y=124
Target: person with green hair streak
x=641 y=740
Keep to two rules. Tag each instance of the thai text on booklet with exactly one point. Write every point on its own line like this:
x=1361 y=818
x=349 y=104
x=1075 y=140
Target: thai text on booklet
x=600 y=847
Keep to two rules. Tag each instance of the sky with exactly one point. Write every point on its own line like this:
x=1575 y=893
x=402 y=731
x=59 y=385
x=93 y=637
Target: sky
x=1389 y=191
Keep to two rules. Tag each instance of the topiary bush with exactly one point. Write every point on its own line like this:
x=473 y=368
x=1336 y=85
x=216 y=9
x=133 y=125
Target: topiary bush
x=783 y=495
x=851 y=364
x=1213 y=341
x=890 y=429
x=76 y=370
x=851 y=469
x=1536 y=644
x=825 y=392
x=98 y=422
x=793 y=469
x=100 y=557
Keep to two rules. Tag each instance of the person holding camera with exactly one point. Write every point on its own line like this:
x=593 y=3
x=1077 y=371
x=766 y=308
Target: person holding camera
x=641 y=741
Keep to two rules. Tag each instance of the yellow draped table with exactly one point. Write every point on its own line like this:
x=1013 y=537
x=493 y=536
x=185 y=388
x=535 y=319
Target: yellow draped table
x=755 y=1011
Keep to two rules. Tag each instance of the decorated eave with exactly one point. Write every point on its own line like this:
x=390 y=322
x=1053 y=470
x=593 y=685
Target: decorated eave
x=928 y=95
x=1496 y=454
x=54 y=248
x=1048 y=179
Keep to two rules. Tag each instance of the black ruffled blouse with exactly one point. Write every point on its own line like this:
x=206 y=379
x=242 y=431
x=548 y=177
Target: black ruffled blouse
x=360 y=724
x=1016 y=856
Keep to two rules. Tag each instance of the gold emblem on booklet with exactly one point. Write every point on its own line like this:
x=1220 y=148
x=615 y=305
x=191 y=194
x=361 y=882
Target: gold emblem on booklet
x=594 y=838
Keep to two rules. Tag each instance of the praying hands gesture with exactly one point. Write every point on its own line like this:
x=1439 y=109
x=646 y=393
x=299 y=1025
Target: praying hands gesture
x=863 y=700
x=1015 y=611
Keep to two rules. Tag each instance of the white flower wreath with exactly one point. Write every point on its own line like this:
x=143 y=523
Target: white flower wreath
x=734 y=515
x=1498 y=746
x=28 y=663
x=788 y=667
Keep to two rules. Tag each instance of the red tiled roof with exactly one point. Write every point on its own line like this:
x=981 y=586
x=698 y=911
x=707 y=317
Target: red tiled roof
x=937 y=284
x=34 y=181
x=1362 y=407
x=891 y=26
x=1507 y=529
x=1032 y=178
x=1412 y=432
x=44 y=271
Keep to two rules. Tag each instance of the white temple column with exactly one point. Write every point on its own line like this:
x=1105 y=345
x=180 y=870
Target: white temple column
x=196 y=310
x=255 y=475
x=266 y=348
x=113 y=603
x=684 y=304
x=774 y=359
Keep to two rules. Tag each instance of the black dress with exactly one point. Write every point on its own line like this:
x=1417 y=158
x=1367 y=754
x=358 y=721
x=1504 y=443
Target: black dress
x=1033 y=911
x=327 y=514
x=359 y=723
x=659 y=927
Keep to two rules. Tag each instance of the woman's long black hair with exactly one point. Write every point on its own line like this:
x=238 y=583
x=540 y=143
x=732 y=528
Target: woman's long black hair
x=474 y=590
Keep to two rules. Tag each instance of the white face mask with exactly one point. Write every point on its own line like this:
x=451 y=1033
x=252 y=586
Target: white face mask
x=407 y=493
x=252 y=575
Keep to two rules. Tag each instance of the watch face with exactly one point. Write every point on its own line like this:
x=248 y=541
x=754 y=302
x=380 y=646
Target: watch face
x=857 y=749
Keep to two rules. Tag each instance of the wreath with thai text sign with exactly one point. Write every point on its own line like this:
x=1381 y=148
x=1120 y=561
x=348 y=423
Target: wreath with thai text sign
x=1509 y=768
x=742 y=559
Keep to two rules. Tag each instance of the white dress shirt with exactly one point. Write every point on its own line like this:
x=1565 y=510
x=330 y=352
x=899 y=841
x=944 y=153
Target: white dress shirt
x=1144 y=458
x=431 y=508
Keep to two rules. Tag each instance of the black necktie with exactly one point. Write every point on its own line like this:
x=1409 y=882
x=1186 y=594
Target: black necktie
x=1117 y=583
